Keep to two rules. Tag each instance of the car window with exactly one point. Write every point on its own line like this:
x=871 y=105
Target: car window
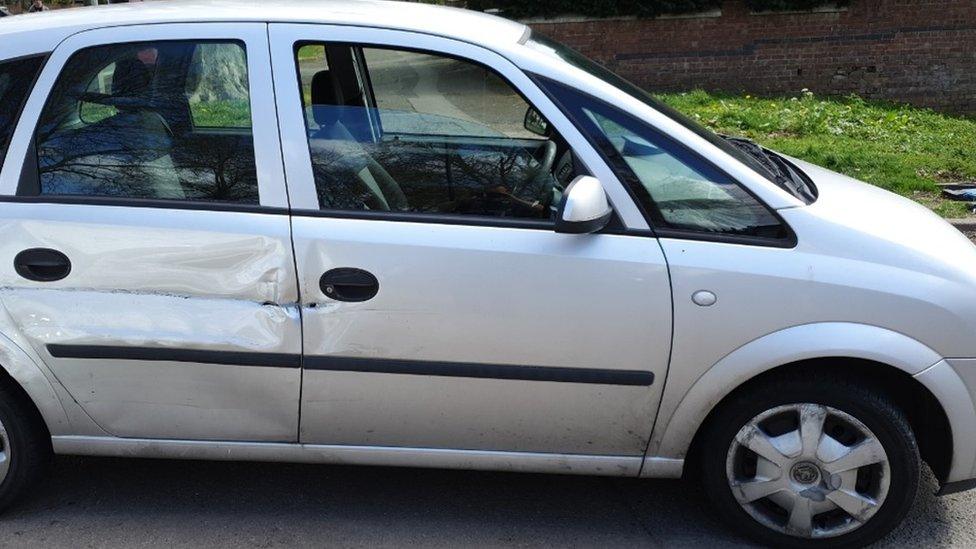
x=677 y=189
x=125 y=121
x=16 y=80
x=402 y=131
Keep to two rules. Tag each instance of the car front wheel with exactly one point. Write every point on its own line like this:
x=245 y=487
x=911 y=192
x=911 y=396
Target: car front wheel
x=804 y=463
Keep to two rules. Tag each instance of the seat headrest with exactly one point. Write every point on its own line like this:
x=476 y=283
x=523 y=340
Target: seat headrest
x=131 y=78
x=325 y=98
x=324 y=90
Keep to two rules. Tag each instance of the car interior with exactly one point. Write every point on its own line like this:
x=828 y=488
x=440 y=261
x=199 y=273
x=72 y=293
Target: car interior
x=367 y=157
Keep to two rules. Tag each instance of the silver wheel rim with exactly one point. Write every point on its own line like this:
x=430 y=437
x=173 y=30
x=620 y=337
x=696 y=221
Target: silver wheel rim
x=808 y=470
x=4 y=453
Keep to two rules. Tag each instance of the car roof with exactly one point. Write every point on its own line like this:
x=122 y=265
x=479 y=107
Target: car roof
x=466 y=25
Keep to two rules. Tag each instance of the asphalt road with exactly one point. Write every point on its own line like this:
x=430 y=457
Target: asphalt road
x=102 y=502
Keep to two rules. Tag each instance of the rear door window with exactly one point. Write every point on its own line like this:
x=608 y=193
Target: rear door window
x=16 y=80
x=167 y=120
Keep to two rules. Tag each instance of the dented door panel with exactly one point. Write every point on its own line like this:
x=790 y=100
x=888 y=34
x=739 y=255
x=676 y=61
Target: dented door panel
x=182 y=301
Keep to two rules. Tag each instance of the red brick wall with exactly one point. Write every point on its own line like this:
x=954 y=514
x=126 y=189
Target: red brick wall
x=918 y=51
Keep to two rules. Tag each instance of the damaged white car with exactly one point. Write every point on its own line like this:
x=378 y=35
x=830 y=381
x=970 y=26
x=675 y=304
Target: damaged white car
x=398 y=234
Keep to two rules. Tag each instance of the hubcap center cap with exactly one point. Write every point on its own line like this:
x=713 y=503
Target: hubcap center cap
x=805 y=473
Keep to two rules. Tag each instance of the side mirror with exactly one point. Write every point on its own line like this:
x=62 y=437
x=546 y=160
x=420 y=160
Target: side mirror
x=535 y=122
x=584 y=208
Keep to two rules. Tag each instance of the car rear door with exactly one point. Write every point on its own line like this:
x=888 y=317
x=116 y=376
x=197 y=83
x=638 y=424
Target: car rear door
x=146 y=261
x=440 y=307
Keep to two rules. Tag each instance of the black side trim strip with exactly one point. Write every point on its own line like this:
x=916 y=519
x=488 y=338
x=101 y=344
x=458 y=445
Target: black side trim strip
x=483 y=371
x=787 y=242
x=234 y=358
x=353 y=364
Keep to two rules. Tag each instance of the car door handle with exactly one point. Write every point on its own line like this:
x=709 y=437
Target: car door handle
x=42 y=264
x=348 y=284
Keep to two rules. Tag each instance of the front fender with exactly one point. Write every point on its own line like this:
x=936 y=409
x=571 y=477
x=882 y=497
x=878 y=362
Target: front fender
x=673 y=434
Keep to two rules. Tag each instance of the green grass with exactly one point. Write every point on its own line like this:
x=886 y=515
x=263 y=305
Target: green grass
x=221 y=114
x=212 y=114
x=904 y=149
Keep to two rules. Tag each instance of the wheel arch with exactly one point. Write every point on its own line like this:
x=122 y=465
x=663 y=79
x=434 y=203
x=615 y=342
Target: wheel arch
x=881 y=357
x=924 y=412
x=20 y=370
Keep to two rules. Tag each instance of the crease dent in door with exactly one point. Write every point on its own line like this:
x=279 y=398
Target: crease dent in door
x=124 y=319
x=171 y=288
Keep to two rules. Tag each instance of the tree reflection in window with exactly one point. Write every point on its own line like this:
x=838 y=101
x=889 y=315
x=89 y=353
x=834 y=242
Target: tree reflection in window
x=120 y=122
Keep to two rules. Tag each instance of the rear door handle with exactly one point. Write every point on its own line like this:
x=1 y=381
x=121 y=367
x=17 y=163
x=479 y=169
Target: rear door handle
x=348 y=284
x=42 y=264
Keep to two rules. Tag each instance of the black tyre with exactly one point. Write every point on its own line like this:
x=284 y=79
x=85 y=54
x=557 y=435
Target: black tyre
x=810 y=463
x=25 y=444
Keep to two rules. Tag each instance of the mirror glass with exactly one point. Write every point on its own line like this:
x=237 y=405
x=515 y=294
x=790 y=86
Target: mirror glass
x=535 y=123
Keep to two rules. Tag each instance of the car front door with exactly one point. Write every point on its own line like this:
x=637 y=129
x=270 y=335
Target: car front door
x=146 y=258
x=441 y=309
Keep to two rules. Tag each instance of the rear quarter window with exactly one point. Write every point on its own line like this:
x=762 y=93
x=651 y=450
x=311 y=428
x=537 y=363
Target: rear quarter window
x=16 y=80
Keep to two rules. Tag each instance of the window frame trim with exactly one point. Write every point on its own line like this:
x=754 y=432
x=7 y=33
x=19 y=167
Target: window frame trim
x=630 y=181
x=272 y=190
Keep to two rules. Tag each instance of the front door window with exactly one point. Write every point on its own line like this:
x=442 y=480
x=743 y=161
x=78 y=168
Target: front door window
x=392 y=130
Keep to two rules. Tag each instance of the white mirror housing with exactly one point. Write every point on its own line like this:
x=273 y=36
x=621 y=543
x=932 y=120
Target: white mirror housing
x=584 y=208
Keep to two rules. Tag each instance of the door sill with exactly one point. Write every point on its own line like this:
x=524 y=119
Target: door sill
x=488 y=460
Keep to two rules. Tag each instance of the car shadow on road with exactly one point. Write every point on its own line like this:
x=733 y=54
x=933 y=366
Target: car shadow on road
x=122 y=503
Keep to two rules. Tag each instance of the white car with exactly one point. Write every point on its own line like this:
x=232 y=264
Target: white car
x=399 y=234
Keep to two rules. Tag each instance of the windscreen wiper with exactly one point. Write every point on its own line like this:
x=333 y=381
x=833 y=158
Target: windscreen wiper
x=777 y=169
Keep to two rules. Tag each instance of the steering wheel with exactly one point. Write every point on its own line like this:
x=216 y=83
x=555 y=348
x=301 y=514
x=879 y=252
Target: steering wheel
x=544 y=171
x=547 y=161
